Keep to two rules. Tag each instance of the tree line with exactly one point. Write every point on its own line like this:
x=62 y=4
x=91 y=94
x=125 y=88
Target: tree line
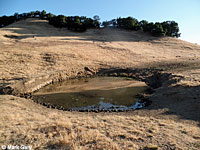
x=82 y=23
x=75 y=23
x=166 y=28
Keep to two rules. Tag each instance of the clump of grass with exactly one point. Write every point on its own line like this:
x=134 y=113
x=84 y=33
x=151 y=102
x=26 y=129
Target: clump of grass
x=151 y=147
x=73 y=138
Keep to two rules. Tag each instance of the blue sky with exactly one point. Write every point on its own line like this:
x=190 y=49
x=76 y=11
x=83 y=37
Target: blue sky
x=185 y=12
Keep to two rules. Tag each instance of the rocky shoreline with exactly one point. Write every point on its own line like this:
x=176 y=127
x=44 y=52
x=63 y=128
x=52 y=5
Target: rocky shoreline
x=154 y=78
x=170 y=67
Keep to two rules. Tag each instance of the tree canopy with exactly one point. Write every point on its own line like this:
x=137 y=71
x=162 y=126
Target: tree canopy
x=166 y=28
x=82 y=23
x=75 y=23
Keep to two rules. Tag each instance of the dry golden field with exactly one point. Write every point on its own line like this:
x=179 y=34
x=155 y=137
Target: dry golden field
x=33 y=54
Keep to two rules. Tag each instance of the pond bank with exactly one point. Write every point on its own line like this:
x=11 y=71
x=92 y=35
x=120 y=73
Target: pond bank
x=154 y=78
x=169 y=66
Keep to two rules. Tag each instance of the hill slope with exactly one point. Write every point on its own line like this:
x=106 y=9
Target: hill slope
x=44 y=49
x=33 y=53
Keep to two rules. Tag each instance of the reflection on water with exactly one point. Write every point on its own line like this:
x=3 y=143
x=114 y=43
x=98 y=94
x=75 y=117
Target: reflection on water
x=100 y=92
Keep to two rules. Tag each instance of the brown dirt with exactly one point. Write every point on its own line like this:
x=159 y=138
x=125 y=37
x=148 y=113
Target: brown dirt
x=34 y=54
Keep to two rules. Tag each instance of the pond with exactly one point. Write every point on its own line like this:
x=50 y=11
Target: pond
x=99 y=93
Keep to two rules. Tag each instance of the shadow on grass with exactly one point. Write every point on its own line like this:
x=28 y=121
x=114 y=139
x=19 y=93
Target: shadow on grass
x=31 y=28
x=182 y=101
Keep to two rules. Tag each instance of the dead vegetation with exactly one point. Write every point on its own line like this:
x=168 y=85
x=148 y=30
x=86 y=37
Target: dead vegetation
x=45 y=128
x=45 y=54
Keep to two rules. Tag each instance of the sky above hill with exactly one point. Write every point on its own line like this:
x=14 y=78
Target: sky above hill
x=185 y=12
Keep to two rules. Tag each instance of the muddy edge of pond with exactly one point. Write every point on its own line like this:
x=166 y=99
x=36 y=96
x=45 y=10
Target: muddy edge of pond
x=154 y=78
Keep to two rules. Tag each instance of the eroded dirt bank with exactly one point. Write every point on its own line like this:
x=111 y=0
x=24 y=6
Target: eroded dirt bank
x=34 y=54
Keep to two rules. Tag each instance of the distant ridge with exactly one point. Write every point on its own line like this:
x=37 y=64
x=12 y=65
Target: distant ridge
x=81 y=24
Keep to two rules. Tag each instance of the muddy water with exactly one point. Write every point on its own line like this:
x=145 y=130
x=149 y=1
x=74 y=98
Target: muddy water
x=93 y=93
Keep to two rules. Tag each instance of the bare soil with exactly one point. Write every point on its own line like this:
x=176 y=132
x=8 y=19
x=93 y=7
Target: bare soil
x=34 y=54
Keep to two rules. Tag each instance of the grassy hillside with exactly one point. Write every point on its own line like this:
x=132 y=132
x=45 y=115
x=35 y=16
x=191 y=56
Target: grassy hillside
x=34 y=53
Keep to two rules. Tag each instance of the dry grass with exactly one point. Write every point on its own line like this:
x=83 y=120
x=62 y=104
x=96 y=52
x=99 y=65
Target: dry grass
x=30 y=124
x=53 y=50
x=30 y=51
